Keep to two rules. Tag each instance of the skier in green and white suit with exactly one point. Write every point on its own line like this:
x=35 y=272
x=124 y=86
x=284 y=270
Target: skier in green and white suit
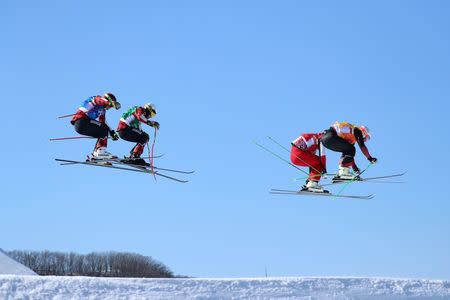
x=129 y=129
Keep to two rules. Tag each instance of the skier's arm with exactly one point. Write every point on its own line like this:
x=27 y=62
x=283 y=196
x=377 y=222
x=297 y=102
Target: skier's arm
x=142 y=118
x=360 y=140
x=140 y=115
x=102 y=118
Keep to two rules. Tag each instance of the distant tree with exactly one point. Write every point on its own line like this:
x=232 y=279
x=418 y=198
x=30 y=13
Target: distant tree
x=98 y=264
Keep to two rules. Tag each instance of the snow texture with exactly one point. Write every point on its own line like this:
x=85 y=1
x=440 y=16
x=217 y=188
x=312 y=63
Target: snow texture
x=12 y=267
x=52 y=287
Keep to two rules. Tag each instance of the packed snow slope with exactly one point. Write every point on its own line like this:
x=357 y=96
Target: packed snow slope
x=51 y=287
x=12 y=267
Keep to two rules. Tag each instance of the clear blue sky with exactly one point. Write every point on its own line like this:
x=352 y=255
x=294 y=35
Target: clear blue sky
x=223 y=73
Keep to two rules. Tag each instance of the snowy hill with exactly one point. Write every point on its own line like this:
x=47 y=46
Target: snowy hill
x=40 y=287
x=12 y=267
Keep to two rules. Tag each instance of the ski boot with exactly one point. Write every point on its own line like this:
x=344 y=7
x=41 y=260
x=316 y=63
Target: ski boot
x=313 y=186
x=134 y=160
x=344 y=174
x=101 y=156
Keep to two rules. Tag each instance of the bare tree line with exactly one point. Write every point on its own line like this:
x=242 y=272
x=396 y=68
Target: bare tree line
x=98 y=264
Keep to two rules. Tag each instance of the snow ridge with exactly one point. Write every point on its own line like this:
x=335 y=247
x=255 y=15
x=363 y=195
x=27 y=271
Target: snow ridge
x=10 y=266
x=342 y=288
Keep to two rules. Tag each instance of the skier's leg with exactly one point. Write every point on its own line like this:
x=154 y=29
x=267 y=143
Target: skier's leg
x=297 y=157
x=305 y=158
x=82 y=127
x=91 y=128
x=131 y=135
x=136 y=136
x=315 y=165
x=139 y=148
x=348 y=155
x=100 y=131
x=333 y=142
x=95 y=129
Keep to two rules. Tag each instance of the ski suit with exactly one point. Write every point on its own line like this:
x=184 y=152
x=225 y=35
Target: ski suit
x=303 y=153
x=341 y=137
x=85 y=120
x=129 y=129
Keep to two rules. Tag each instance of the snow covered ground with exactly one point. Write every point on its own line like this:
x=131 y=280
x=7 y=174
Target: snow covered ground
x=10 y=266
x=37 y=287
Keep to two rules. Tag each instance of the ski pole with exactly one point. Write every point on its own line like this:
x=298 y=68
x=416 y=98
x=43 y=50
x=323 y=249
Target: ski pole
x=71 y=138
x=150 y=153
x=348 y=183
x=153 y=148
x=276 y=155
x=65 y=116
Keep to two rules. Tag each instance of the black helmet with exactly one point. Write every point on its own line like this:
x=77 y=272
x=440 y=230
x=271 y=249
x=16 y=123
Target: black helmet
x=112 y=100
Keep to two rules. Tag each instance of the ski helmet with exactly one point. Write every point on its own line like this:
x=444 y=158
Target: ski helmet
x=112 y=100
x=366 y=132
x=150 y=109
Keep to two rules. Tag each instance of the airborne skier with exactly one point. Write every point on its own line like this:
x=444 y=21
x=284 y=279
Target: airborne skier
x=303 y=153
x=341 y=137
x=85 y=122
x=129 y=129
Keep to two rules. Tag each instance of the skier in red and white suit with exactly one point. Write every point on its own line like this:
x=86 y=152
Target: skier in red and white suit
x=307 y=151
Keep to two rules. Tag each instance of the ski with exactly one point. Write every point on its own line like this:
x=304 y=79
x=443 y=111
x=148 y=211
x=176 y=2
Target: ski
x=172 y=170
x=74 y=162
x=96 y=164
x=367 y=179
x=147 y=167
x=291 y=192
x=113 y=159
x=145 y=157
x=147 y=170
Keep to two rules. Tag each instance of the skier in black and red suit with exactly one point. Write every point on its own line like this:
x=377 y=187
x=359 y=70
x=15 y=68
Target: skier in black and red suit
x=86 y=123
x=129 y=129
x=341 y=137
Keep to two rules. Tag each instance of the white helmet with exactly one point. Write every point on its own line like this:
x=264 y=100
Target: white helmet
x=150 y=109
x=366 y=132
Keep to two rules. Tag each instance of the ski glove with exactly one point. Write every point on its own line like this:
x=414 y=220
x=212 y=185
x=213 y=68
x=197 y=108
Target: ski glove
x=114 y=135
x=154 y=124
x=373 y=160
